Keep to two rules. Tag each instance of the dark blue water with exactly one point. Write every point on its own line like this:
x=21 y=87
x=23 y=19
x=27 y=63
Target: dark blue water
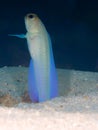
x=72 y=25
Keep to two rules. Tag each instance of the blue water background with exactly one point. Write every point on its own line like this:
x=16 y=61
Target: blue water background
x=72 y=25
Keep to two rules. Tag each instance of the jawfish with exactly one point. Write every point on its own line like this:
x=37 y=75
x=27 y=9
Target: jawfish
x=42 y=75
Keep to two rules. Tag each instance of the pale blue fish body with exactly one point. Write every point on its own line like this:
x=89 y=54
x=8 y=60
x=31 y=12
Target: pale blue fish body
x=42 y=79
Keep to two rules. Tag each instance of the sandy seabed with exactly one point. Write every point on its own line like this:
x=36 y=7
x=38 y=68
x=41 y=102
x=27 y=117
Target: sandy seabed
x=76 y=107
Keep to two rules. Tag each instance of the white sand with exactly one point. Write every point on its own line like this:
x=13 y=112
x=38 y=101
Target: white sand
x=76 y=108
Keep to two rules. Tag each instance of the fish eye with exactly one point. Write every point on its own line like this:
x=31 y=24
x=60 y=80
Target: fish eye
x=30 y=16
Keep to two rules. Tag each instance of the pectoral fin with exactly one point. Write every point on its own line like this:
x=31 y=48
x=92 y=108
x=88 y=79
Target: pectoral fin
x=18 y=35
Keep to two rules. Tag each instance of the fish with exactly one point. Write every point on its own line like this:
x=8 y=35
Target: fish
x=42 y=74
